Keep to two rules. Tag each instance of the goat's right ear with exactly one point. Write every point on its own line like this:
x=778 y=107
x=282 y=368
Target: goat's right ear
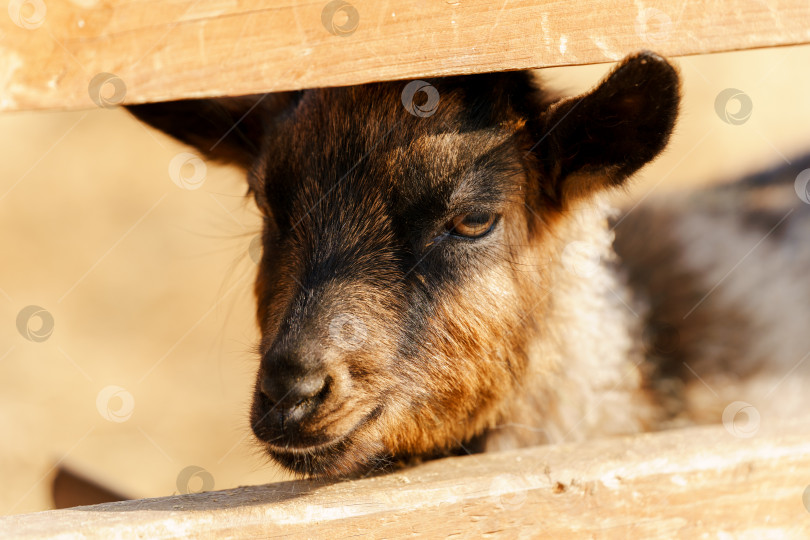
x=598 y=139
x=224 y=129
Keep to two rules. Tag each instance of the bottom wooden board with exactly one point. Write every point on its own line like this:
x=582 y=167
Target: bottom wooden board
x=690 y=483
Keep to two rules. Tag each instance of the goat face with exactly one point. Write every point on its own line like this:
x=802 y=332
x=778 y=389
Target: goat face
x=406 y=245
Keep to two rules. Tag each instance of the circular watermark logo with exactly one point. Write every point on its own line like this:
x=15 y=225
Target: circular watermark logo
x=726 y=111
x=255 y=249
x=115 y=404
x=187 y=171
x=806 y=498
x=107 y=90
x=348 y=331
x=581 y=258
x=340 y=18
x=503 y=493
x=422 y=109
x=802 y=186
x=28 y=14
x=194 y=479
x=653 y=26
x=741 y=419
x=35 y=323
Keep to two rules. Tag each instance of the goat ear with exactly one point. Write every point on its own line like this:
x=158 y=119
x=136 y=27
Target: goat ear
x=600 y=138
x=224 y=129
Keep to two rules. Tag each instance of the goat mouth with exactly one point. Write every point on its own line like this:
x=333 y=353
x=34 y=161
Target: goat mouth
x=331 y=458
x=293 y=430
x=321 y=444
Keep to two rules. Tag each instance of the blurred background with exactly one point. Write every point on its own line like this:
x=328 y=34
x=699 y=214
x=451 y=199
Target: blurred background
x=144 y=382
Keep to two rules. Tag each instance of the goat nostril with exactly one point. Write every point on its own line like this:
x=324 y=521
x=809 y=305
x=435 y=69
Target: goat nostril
x=290 y=392
x=311 y=387
x=268 y=388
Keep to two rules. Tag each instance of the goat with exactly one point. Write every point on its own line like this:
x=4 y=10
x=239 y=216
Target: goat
x=444 y=275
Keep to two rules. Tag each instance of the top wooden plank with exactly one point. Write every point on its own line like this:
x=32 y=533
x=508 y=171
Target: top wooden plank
x=83 y=53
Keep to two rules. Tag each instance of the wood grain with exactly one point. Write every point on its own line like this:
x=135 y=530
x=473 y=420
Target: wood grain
x=50 y=52
x=691 y=483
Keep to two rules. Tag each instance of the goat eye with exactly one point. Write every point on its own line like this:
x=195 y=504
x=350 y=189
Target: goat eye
x=474 y=225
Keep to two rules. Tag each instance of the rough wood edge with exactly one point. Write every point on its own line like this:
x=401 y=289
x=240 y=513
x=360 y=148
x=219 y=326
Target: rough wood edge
x=190 y=49
x=680 y=483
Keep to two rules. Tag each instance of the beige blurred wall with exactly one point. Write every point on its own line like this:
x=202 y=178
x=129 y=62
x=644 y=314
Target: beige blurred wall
x=149 y=285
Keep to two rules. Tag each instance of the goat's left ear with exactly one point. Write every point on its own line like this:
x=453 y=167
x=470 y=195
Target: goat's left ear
x=228 y=129
x=600 y=138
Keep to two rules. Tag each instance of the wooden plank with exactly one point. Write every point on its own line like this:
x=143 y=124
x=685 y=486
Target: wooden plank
x=55 y=54
x=686 y=483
